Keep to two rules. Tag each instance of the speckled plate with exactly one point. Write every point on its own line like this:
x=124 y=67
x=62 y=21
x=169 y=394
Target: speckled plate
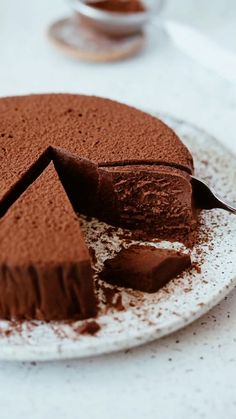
x=147 y=317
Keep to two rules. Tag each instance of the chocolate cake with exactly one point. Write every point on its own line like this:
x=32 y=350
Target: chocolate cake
x=139 y=170
x=120 y=6
x=144 y=268
x=45 y=270
x=116 y=163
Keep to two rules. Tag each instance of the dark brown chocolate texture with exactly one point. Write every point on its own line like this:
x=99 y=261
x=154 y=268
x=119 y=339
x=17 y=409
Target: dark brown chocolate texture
x=120 y=6
x=100 y=130
x=144 y=268
x=45 y=270
x=116 y=148
x=115 y=162
x=154 y=199
x=24 y=181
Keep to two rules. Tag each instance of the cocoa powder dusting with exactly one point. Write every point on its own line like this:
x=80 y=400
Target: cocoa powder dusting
x=120 y=6
x=197 y=267
x=112 y=297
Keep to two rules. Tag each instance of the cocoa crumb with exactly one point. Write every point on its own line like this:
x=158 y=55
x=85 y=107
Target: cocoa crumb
x=117 y=304
x=112 y=297
x=88 y=328
x=196 y=267
x=187 y=290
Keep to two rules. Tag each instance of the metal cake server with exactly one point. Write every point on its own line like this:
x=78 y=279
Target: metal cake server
x=207 y=199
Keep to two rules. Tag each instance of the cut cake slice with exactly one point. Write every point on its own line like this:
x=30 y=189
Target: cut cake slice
x=45 y=269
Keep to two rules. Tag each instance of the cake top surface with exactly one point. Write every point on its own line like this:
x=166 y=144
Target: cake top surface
x=101 y=130
x=41 y=227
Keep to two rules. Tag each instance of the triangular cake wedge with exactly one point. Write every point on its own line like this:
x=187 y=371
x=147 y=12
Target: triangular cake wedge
x=45 y=270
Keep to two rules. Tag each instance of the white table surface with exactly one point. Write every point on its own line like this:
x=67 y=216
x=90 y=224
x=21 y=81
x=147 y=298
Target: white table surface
x=191 y=373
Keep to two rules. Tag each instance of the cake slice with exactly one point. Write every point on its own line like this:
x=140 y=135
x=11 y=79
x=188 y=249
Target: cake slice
x=153 y=199
x=45 y=270
x=144 y=268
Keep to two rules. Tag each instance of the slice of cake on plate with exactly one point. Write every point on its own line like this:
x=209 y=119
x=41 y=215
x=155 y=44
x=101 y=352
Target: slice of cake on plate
x=45 y=269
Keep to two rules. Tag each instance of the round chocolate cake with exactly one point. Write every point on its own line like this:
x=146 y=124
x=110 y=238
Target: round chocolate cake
x=116 y=163
x=137 y=170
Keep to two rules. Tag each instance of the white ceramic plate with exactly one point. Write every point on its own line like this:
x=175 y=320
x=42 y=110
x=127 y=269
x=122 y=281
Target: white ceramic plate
x=148 y=317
